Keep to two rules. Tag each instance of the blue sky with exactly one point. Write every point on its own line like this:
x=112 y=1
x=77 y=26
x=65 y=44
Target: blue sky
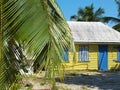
x=70 y=7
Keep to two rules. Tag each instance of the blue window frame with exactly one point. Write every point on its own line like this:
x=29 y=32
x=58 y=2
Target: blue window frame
x=83 y=53
x=65 y=55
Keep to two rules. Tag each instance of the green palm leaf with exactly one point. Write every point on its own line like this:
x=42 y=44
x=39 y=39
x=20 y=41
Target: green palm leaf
x=117 y=27
x=32 y=26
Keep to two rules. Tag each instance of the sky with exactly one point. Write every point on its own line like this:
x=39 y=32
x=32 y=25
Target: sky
x=70 y=7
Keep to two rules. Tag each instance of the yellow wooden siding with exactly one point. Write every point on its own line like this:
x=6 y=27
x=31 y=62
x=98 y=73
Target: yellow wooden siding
x=112 y=56
x=76 y=65
x=93 y=59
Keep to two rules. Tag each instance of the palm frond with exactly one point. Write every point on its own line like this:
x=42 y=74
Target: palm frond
x=81 y=12
x=99 y=12
x=113 y=19
x=117 y=27
x=38 y=25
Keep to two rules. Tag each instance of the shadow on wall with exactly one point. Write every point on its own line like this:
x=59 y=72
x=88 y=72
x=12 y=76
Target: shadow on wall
x=116 y=67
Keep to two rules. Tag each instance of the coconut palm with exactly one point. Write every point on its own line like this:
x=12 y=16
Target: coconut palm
x=31 y=30
x=118 y=3
x=117 y=27
x=88 y=14
x=114 y=19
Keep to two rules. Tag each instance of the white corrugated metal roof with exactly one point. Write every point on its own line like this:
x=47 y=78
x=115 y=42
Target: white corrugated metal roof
x=93 y=32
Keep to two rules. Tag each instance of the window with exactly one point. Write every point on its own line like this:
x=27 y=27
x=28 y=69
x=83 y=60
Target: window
x=65 y=55
x=83 y=53
x=118 y=54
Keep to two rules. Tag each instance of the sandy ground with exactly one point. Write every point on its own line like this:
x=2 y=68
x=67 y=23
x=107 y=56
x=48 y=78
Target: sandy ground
x=83 y=80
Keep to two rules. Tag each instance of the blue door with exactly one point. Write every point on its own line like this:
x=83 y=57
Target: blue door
x=103 y=58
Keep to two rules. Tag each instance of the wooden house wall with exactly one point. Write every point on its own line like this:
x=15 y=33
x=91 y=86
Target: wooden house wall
x=112 y=58
x=92 y=64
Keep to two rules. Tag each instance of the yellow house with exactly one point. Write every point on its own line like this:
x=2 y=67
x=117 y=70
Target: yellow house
x=97 y=47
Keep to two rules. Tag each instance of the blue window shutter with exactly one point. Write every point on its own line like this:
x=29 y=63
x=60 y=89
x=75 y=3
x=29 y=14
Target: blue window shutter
x=118 y=53
x=65 y=55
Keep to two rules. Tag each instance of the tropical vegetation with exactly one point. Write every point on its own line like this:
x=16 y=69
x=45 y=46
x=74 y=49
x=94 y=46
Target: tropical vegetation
x=115 y=20
x=88 y=14
x=117 y=26
x=32 y=32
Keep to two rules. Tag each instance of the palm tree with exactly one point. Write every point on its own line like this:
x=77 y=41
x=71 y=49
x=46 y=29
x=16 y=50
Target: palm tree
x=34 y=30
x=114 y=19
x=118 y=3
x=88 y=14
x=117 y=27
